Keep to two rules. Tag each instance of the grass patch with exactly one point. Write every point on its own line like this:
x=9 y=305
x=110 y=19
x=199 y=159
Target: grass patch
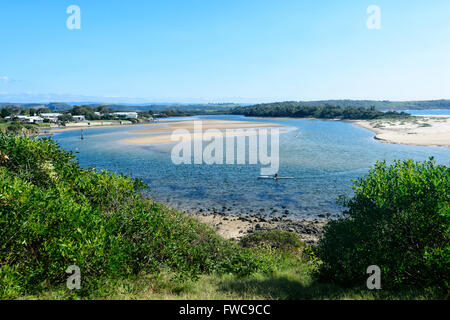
x=295 y=282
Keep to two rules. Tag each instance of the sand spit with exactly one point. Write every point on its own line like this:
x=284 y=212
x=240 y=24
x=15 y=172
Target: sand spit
x=162 y=133
x=419 y=130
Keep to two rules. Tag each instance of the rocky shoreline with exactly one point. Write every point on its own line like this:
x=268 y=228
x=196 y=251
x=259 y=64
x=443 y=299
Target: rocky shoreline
x=234 y=227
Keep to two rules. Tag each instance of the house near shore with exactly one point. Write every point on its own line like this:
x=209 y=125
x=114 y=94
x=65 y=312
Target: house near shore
x=79 y=118
x=26 y=119
x=52 y=117
x=126 y=115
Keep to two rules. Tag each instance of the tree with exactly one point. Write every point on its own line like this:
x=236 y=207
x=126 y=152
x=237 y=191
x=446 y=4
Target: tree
x=398 y=219
x=4 y=112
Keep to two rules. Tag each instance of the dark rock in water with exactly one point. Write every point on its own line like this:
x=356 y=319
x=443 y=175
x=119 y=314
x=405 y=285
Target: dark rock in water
x=284 y=207
x=321 y=215
x=226 y=219
x=201 y=210
x=286 y=211
x=262 y=210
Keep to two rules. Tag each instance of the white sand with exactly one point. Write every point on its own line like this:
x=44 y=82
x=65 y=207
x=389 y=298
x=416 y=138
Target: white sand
x=420 y=130
x=162 y=133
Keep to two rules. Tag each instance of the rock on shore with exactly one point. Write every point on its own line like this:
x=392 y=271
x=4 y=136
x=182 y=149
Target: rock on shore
x=235 y=227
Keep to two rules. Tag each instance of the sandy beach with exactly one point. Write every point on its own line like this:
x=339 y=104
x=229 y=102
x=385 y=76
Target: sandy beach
x=91 y=125
x=162 y=132
x=419 y=130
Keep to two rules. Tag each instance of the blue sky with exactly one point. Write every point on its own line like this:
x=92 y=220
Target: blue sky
x=223 y=51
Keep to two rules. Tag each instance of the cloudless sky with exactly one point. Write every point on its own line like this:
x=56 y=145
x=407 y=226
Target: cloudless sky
x=224 y=51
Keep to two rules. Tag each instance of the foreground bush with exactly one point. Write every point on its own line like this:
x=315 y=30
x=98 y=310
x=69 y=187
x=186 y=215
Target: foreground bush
x=54 y=214
x=398 y=219
x=277 y=239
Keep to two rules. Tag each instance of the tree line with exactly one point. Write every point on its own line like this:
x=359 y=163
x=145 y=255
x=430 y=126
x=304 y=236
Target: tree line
x=295 y=110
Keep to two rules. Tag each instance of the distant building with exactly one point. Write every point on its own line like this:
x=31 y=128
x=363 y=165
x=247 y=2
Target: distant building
x=53 y=117
x=26 y=119
x=126 y=115
x=35 y=119
x=79 y=118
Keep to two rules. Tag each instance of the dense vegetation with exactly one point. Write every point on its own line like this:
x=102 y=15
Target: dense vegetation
x=54 y=214
x=18 y=127
x=379 y=105
x=276 y=239
x=296 y=110
x=155 y=108
x=398 y=219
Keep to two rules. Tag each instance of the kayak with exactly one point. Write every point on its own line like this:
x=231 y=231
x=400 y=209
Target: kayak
x=272 y=177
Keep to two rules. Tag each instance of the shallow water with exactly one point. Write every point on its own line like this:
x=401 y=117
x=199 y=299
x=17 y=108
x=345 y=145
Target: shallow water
x=322 y=156
x=431 y=112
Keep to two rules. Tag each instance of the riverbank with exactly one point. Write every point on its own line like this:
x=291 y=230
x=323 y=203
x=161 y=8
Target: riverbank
x=91 y=125
x=417 y=130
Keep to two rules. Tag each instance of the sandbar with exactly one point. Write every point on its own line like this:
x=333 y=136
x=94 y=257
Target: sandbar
x=163 y=133
x=418 y=130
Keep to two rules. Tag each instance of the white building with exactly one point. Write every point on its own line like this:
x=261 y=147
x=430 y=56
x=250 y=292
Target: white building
x=35 y=119
x=79 y=118
x=26 y=119
x=127 y=115
x=53 y=117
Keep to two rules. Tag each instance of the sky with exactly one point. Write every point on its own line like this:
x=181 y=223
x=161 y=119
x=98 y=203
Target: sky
x=224 y=51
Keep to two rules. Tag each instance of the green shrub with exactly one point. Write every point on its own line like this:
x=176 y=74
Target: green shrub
x=277 y=239
x=54 y=214
x=397 y=219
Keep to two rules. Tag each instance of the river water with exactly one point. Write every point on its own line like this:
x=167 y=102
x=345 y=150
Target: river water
x=321 y=156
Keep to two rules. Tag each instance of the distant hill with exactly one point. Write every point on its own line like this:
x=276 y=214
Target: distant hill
x=163 y=107
x=226 y=107
x=56 y=106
